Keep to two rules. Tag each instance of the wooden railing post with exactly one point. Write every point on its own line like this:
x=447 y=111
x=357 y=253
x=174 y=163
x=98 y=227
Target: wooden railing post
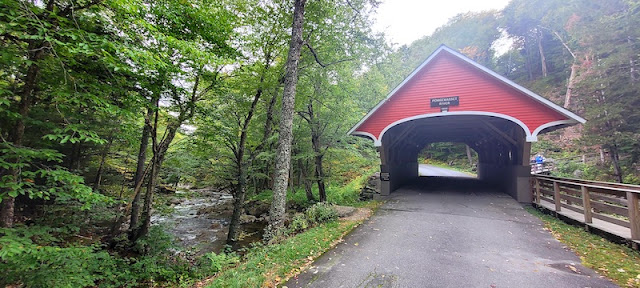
x=634 y=215
x=586 y=204
x=537 y=190
x=556 y=196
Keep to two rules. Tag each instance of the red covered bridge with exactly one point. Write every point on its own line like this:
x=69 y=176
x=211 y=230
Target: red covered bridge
x=451 y=98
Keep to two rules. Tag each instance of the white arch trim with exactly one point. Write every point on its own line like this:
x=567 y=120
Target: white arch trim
x=378 y=140
x=367 y=134
x=551 y=124
x=497 y=76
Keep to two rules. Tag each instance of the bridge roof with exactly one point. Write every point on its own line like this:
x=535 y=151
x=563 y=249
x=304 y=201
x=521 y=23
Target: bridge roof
x=447 y=73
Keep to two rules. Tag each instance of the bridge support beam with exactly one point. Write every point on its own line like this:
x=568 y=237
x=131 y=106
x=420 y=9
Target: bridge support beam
x=396 y=169
x=523 y=177
x=512 y=177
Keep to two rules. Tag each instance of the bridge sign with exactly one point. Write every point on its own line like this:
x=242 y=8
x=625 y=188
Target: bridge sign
x=446 y=101
x=497 y=118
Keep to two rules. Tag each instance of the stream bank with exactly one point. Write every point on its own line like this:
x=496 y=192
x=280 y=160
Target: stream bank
x=199 y=219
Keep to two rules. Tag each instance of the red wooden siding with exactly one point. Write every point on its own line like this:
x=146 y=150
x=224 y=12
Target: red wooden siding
x=445 y=76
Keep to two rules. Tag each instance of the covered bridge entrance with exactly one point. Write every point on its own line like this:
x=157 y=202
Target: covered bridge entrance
x=451 y=98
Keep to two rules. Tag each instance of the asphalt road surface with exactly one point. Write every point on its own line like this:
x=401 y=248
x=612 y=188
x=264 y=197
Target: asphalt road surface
x=449 y=232
x=430 y=170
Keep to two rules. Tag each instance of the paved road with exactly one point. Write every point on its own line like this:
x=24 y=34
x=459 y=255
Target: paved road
x=430 y=170
x=449 y=232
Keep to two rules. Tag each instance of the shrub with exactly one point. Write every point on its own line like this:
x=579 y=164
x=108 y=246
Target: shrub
x=217 y=262
x=321 y=213
x=299 y=223
x=32 y=257
x=34 y=265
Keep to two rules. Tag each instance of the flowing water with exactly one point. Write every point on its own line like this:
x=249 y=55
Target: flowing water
x=199 y=221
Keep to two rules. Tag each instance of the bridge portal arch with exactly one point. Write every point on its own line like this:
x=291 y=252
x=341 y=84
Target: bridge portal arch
x=451 y=98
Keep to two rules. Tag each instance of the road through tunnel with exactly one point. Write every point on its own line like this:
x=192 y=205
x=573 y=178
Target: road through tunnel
x=500 y=144
x=450 y=98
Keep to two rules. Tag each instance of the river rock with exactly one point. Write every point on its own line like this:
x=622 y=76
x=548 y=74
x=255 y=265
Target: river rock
x=578 y=173
x=257 y=208
x=163 y=189
x=344 y=211
x=247 y=218
x=217 y=210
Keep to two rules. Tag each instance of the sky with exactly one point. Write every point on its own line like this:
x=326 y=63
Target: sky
x=405 y=21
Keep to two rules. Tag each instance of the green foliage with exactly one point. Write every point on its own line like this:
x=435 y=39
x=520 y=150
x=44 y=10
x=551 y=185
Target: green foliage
x=349 y=194
x=40 y=180
x=451 y=155
x=299 y=223
x=267 y=265
x=27 y=258
x=568 y=168
x=321 y=213
x=36 y=256
x=632 y=179
x=218 y=262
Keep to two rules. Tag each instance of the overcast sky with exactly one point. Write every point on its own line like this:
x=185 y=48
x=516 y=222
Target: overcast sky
x=405 y=21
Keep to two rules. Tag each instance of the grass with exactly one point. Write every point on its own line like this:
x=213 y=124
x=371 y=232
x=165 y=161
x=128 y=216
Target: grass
x=268 y=266
x=337 y=193
x=619 y=263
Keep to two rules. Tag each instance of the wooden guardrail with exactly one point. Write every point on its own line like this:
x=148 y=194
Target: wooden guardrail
x=613 y=203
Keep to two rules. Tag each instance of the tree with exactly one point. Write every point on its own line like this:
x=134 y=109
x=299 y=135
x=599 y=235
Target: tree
x=283 y=156
x=47 y=49
x=610 y=85
x=182 y=63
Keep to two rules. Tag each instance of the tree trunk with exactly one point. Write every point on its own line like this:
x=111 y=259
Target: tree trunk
x=139 y=176
x=317 y=151
x=241 y=170
x=8 y=204
x=572 y=77
x=615 y=159
x=283 y=155
x=74 y=156
x=574 y=69
x=528 y=60
x=305 y=181
x=322 y=193
x=133 y=223
x=17 y=134
x=543 y=59
x=148 y=201
x=103 y=158
x=469 y=155
x=238 y=205
x=142 y=151
x=159 y=153
x=265 y=183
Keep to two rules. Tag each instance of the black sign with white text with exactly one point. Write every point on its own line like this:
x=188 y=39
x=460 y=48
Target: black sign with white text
x=445 y=101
